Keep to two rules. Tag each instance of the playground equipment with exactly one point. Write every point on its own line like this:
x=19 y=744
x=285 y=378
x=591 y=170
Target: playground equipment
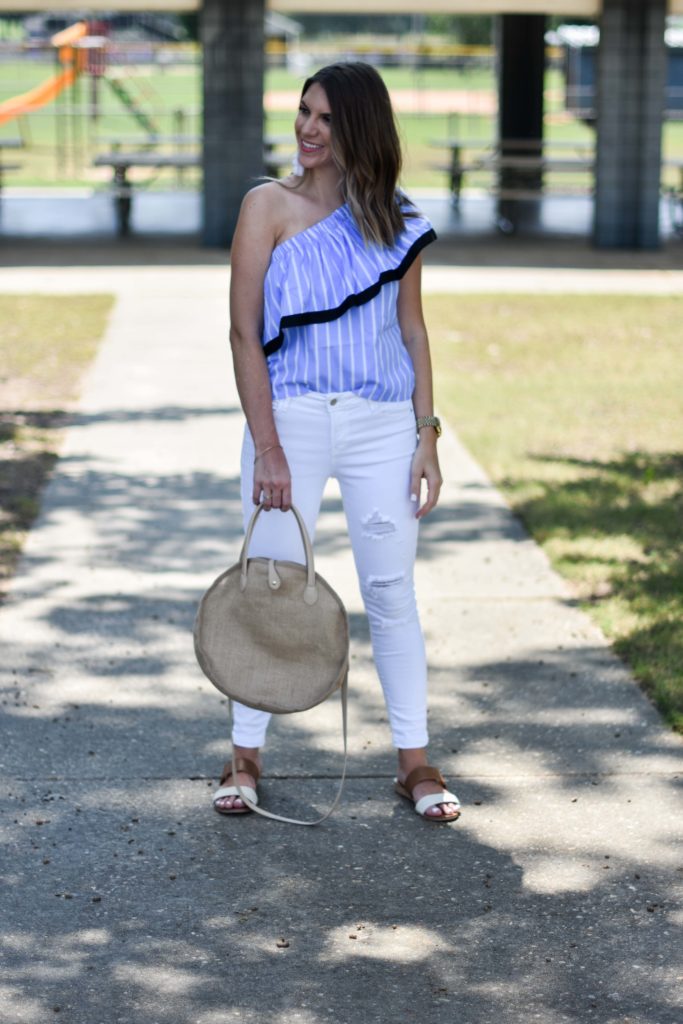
x=82 y=56
x=129 y=101
x=72 y=61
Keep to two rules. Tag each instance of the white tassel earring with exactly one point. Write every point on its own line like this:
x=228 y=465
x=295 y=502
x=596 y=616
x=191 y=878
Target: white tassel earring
x=297 y=169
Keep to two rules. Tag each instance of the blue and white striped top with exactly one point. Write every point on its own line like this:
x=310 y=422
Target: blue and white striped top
x=330 y=310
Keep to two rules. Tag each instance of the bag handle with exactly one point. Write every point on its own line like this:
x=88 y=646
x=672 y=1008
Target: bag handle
x=311 y=590
x=298 y=821
x=310 y=597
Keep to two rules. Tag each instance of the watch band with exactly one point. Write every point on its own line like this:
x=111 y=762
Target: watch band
x=429 y=421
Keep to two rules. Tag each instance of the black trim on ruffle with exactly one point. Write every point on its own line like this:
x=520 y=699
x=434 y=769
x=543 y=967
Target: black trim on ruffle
x=324 y=316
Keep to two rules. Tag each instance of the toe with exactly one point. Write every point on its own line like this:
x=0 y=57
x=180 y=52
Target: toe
x=227 y=803
x=441 y=810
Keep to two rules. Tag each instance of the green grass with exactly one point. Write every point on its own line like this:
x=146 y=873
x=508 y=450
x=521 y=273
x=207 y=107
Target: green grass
x=179 y=89
x=573 y=405
x=46 y=342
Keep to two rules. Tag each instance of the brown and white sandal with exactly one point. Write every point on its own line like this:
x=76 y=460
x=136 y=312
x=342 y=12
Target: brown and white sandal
x=242 y=764
x=427 y=774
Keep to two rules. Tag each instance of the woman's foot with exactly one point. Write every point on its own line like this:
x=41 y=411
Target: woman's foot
x=408 y=761
x=247 y=758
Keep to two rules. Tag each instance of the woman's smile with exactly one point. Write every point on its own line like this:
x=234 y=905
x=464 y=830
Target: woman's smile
x=312 y=125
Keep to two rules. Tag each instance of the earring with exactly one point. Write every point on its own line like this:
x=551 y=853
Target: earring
x=297 y=169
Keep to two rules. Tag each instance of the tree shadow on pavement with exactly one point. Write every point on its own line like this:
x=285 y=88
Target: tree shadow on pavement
x=126 y=899
x=615 y=528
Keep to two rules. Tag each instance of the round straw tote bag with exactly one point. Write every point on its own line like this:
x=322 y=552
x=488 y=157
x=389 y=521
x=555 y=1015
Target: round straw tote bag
x=274 y=635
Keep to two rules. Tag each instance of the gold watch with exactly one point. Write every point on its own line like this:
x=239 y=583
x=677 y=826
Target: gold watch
x=429 y=421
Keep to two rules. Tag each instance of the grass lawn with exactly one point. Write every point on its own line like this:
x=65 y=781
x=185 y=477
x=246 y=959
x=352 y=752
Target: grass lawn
x=574 y=405
x=162 y=92
x=46 y=342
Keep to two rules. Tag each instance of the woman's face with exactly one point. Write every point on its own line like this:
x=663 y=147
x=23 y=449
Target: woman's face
x=313 y=129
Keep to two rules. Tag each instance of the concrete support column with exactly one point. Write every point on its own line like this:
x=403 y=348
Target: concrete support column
x=630 y=103
x=232 y=37
x=521 y=71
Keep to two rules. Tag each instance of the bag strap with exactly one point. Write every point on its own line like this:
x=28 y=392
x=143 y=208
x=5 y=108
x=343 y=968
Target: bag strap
x=297 y=821
x=311 y=591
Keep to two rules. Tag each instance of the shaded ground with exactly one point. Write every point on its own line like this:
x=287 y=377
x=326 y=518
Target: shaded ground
x=556 y=897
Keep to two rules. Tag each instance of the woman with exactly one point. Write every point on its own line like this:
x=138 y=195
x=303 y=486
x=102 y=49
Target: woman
x=333 y=370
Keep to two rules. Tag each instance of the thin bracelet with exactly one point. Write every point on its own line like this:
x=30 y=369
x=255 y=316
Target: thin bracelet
x=270 y=449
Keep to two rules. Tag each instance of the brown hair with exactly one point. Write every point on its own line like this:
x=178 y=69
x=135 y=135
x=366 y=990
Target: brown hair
x=365 y=146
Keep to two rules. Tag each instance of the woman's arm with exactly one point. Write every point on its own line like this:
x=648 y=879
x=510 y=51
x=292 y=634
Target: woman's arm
x=414 y=332
x=250 y=255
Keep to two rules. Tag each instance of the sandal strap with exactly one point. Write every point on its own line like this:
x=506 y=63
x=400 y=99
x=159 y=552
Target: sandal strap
x=225 y=791
x=423 y=774
x=242 y=764
x=434 y=799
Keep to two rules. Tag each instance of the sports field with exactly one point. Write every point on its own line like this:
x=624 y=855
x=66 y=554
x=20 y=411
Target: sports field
x=431 y=104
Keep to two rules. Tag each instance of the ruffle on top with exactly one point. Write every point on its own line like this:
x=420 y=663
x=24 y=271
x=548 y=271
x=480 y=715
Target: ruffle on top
x=318 y=274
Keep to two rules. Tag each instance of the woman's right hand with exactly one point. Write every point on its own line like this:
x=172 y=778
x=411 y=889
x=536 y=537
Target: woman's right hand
x=272 y=481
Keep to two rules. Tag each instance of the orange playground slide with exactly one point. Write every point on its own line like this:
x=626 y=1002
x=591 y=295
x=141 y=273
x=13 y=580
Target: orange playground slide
x=48 y=90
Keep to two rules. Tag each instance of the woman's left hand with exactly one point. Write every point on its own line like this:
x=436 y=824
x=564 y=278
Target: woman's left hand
x=425 y=466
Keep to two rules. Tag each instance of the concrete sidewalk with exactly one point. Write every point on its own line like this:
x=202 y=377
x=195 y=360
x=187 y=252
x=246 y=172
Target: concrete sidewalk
x=556 y=897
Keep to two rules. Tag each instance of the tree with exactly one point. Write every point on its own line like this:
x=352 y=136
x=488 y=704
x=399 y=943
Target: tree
x=350 y=24
x=470 y=30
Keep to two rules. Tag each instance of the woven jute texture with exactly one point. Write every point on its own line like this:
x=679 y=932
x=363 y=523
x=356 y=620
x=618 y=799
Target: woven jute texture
x=268 y=648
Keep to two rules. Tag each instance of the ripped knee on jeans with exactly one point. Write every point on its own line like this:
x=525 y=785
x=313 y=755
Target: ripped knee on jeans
x=377 y=526
x=382 y=582
x=389 y=601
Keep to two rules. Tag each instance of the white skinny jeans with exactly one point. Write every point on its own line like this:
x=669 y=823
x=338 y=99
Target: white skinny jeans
x=368 y=446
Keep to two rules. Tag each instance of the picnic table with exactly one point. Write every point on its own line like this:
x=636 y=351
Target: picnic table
x=518 y=164
x=122 y=187
x=270 y=142
x=115 y=141
x=517 y=169
x=122 y=162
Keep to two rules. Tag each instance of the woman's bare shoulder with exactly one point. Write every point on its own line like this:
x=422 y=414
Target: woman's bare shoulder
x=276 y=208
x=269 y=200
x=259 y=200
x=268 y=211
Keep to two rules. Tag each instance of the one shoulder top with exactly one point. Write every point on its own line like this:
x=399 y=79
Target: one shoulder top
x=330 y=310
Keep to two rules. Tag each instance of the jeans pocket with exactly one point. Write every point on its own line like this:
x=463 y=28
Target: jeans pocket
x=393 y=410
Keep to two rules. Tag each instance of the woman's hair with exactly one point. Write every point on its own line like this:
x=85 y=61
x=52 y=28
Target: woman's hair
x=365 y=147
